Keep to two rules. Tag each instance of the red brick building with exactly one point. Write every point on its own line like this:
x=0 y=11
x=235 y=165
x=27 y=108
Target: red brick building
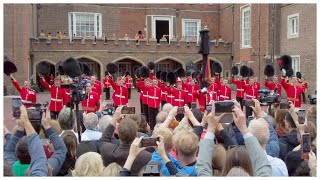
x=250 y=34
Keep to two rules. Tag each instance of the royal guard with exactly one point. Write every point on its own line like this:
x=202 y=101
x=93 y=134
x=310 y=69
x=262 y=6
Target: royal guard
x=250 y=90
x=57 y=96
x=96 y=85
x=171 y=79
x=304 y=85
x=66 y=99
x=274 y=84
x=180 y=96
x=213 y=89
x=224 y=91
x=154 y=95
x=128 y=82
x=162 y=84
x=107 y=85
x=239 y=84
x=292 y=88
x=144 y=73
x=27 y=94
x=120 y=94
x=112 y=68
x=92 y=103
x=201 y=97
x=257 y=84
x=192 y=90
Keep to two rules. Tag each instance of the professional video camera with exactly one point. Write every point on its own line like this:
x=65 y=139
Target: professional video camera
x=77 y=88
x=269 y=97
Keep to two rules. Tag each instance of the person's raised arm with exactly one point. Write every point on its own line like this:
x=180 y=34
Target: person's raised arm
x=38 y=164
x=108 y=132
x=44 y=83
x=60 y=150
x=260 y=163
x=15 y=83
x=172 y=114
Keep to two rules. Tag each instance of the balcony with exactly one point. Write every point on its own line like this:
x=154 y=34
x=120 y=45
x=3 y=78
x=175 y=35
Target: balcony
x=123 y=45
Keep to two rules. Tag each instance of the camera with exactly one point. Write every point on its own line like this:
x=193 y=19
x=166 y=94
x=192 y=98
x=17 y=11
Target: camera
x=269 y=97
x=35 y=115
x=223 y=106
x=77 y=89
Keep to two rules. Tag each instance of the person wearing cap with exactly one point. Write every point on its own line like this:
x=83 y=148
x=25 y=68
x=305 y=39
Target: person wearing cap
x=224 y=91
x=107 y=85
x=139 y=83
x=144 y=86
x=240 y=84
x=27 y=94
x=57 y=96
x=180 y=96
x=213 y=89
x=272 y=85
x=128 y=82
x=293 y=90
x=251 y=90
x=92 y=103
x=120 y=94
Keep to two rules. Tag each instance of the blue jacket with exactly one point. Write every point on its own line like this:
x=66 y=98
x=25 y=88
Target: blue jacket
x=189 y=170
x=272 y=148
x=38 y=164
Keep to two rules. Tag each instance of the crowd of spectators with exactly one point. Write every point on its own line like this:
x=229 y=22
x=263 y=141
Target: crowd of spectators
x=189 y=144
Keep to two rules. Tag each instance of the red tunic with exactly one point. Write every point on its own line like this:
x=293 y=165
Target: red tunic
x=272 y=85
x=27 y=95
x=240 y=87
x=170 y=96
x=251 y=92
x=106 y=82
x=213 y=92
x=154 y=97
x=57 y=95
x=179 y=97
x=128 y=82
x=97 y=85
x=191 y=90
x=120 y=94
x=201 y=100
x=66 y=97
x=92 y=103
x=224 y=93
x=163 y=91
x=293 y=92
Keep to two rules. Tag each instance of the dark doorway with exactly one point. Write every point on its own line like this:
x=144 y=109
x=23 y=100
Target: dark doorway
x=94 y=67
x=162 y=28
x=167 y=65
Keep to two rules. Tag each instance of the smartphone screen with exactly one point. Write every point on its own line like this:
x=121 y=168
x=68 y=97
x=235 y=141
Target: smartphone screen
x=128 y=110
x=149 y=141
x=16 y=103
x=224 y=106
x=248 y=103
x=180 y=110
x=209 y=108
x=193 y=105
x=284 y=105
x=306 y=143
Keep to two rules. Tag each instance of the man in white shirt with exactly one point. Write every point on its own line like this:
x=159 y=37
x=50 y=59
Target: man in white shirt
x=92 y=133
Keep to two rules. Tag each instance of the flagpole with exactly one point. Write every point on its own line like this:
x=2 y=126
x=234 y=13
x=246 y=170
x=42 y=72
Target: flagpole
x=204 y=49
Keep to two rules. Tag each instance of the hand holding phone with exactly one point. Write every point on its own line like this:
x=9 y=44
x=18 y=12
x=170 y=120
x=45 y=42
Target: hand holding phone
x=284 y=105
x=180 y=110
x=224 y=106
x=128 y=110
x=305 y=145
x=149 y=141
x=16 y=103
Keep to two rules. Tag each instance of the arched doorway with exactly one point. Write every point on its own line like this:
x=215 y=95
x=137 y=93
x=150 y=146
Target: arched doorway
x=130 y=65
x=46 y=77
x=168 y=64
x=93 y=65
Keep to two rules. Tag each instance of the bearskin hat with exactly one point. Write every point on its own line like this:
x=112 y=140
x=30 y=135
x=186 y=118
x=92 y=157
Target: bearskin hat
x=144 y=72
x=112 y=68
x=269 y=70
x=244 y=71
x=163 y=76
x=171 y=78
x=43 y=68
x=216 y=68
x=234 y=70
x=151 y=65
x=71 y=67
x=9 y=67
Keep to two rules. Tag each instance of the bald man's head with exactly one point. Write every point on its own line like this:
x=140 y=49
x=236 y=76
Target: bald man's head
x=161 y=117
x=260 y=129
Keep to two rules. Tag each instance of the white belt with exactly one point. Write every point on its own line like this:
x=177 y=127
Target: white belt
x=58 y=100
x=224 y=96
x=144 y=95
x=25 y=101
x=67 y=93
x=128 y=83
x=250 y=96
x=153 y=97
x=170 y=96
x=180 y=100
x=119 y=96
x=164 y=93
x=212 y=92
x=240 y=89
x=190 y=94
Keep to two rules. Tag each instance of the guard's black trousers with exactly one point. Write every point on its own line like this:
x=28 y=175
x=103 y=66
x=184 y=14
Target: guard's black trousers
x=107 y=90
x=152 y=117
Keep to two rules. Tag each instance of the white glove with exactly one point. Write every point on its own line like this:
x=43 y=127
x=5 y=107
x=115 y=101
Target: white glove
x=283 y=72
x=204 y=90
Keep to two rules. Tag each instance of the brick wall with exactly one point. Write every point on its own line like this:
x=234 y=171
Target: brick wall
x=305 y=44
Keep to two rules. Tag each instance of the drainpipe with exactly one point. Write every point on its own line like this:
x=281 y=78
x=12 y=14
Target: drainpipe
x=232 y=46
x=273 y=29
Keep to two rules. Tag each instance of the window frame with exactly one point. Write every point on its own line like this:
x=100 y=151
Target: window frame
x=198 y=21
x=294 y=64
x=289 y=18
x=243 y=9
x=73 y=24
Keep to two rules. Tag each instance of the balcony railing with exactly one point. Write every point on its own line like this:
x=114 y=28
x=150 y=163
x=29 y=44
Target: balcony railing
x=64 y=44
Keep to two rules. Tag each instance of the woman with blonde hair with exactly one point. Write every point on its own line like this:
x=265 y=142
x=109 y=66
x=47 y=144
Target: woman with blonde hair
x=88 y=164
x=218 y=159
x=112 y=169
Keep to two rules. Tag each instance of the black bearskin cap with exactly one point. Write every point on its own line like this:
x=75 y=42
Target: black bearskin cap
x=158 y=73
x=151 y=65
x=43 y=68
x=171 y=78
x=181 y=72
x=234 y=70
x=244 y=71
x=144 y=72
x=216 y=68
x=163 y=76
x=9 y=67
x=71 y=67
x=112 y=68
x=269 y=70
